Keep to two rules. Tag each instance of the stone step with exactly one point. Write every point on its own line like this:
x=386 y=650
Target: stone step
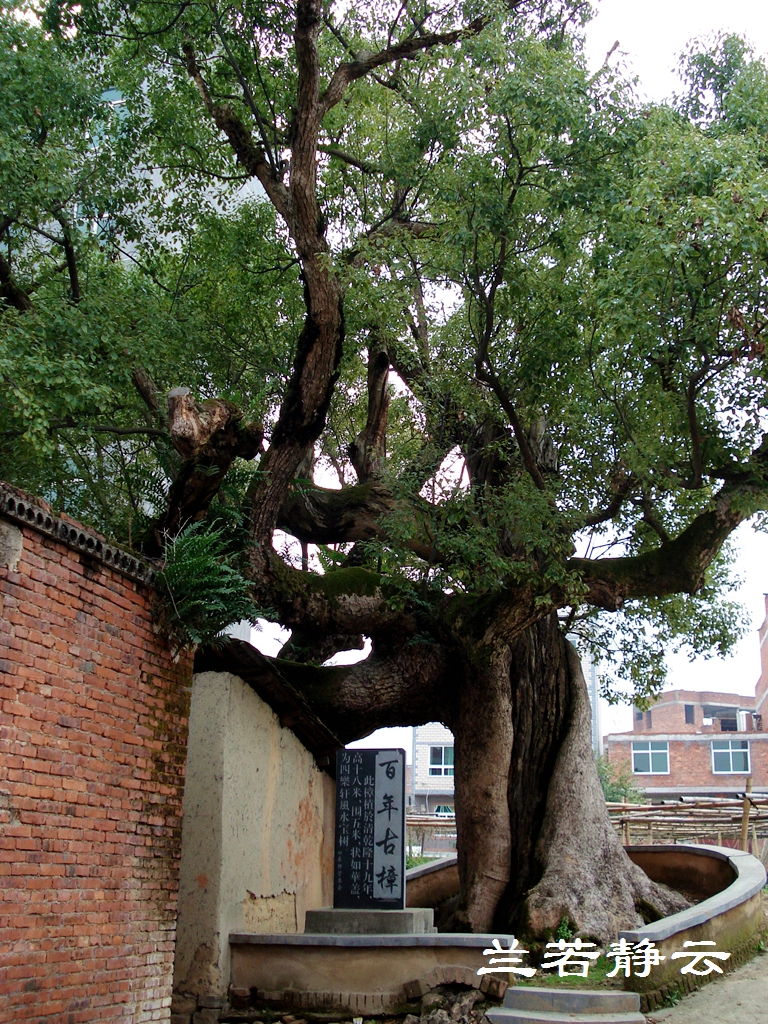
x=504 y=1015
x=524 y=997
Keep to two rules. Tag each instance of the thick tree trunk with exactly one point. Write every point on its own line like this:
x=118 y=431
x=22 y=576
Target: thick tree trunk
x=584 y=874
x=540 y=695
x=483 y=746
x=535 y=842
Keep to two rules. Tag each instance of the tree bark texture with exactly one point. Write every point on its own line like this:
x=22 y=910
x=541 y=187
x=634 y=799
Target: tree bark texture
x=482 y=726
x=568 y=861
x=536 y=845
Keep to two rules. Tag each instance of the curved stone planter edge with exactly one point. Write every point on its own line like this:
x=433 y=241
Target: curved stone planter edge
x=750 y=879
x=259 y=960
x=426 y=869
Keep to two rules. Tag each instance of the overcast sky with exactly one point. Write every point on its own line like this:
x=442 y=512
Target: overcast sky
x=651 y=35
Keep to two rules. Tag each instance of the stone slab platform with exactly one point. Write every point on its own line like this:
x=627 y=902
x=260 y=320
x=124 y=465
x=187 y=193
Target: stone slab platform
x=531 y=997
x=339 y=921
x=364 y=973
x=561 y=1017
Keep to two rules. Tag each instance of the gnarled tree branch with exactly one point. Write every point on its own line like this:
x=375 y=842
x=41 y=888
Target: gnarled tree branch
x=677 y=566
x=10 y=292
x=349 y=72
x=71 y=258
x=307 y=646
x=369 y=449
x=345 y=602
x=397 y=684
x=621 y=486
x=209 y=436
x=240 y=139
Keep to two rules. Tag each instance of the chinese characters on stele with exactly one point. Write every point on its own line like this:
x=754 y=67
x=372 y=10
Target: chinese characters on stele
x=576 y=957
x=370 y=829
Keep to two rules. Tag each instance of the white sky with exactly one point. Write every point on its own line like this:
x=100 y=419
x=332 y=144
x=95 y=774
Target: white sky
x=651 y=34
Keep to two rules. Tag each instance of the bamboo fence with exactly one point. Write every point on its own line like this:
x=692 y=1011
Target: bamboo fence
x=422 y=828
x=738 y=822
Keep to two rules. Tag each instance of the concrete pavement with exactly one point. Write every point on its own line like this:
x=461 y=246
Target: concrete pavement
x=738 y=998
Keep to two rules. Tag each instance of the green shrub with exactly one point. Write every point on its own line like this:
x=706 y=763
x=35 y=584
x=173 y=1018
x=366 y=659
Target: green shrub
x=618 y=782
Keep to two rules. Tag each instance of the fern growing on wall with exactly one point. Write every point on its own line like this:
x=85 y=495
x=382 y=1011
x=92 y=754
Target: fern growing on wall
x=203 y=589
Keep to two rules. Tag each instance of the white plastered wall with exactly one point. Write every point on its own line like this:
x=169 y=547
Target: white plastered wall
x=257 y=836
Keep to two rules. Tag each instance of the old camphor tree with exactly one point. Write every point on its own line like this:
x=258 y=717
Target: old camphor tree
x=476 y=330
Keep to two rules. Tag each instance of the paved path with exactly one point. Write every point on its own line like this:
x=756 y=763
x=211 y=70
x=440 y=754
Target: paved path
x=738 y=998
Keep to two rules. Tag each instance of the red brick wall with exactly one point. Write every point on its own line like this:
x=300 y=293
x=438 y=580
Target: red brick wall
x=92 y=751
x=690 y=762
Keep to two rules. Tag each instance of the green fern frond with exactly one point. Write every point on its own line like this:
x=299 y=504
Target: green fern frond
x=203 y=591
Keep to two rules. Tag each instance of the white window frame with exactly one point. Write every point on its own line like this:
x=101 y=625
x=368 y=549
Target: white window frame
x=442 y=768
x=723 y=746
x=649 y=747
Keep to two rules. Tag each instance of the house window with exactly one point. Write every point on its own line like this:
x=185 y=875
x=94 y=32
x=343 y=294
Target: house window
x=730 y=757
x=648 y=720
x=650 y=757
x=729 y=725
x=441 y=760
x=638 y=716
x=690 y=715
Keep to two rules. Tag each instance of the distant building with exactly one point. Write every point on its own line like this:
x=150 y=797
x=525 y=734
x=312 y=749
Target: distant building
x=699 y=743
x=432 y=780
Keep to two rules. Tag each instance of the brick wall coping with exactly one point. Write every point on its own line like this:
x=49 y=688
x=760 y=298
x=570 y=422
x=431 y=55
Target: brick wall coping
x=750 y=879
x=17 y=507
x=444 y=939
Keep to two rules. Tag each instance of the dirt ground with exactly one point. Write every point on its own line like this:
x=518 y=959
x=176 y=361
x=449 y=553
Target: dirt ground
x=737 y=998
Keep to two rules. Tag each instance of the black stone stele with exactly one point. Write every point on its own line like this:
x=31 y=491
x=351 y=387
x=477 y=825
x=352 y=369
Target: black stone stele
x=370 y=830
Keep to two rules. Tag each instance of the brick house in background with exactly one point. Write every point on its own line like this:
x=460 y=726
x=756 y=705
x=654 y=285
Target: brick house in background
x=699 y=743
x=432 y=779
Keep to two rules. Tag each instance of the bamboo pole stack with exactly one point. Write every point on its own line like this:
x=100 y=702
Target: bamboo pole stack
x=740 y=821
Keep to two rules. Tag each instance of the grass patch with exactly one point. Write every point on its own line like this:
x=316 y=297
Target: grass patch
x=414 y=862
x=596 y=977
